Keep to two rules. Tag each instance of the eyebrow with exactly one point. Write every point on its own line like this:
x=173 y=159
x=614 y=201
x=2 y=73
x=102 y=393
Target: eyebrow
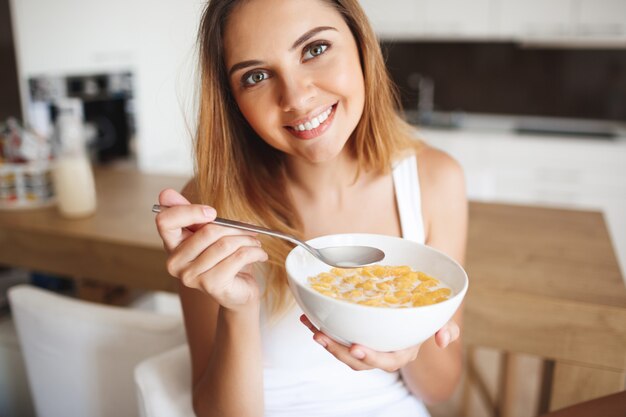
x=305 y=37
x=308 y=35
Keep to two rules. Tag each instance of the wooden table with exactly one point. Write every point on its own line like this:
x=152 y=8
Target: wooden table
x=542 y=281
x=546 y=282
x=118 y=245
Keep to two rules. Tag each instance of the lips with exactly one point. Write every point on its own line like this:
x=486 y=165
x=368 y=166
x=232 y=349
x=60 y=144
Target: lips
x=315 y=126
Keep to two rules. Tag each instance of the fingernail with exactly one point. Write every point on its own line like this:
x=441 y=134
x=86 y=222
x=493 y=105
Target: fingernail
x=357 y=353
x=209 y=212
x=321 y=342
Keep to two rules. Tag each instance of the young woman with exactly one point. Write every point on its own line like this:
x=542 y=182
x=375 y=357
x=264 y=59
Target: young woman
x=299 y=131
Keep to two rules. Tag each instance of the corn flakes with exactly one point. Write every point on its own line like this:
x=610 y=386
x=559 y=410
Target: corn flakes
x=381 y=286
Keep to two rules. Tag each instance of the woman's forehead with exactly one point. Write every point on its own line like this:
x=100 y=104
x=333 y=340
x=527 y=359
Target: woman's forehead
x=257 y=27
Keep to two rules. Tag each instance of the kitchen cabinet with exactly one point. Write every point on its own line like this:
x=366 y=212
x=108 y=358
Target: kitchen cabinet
x=605 y=18
x=534 y=18
x=542 y=170
x=565 y=22
x=397 y=19
x=459 y=18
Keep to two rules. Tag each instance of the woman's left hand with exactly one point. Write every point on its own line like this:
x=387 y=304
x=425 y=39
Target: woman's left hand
x=360 y=358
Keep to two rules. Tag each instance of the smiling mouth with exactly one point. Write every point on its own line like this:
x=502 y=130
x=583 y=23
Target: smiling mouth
x=315 y=126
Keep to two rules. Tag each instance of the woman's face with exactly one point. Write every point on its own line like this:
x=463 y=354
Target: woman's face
x=295 y=73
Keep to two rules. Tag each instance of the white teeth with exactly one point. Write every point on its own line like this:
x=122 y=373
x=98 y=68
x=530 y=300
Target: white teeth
x=314 y=122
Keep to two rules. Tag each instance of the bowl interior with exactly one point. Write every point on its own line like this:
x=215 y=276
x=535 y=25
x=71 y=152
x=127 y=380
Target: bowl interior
x=301 y=264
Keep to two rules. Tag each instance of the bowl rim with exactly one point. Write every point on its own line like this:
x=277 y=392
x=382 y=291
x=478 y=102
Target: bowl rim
x=460 y=294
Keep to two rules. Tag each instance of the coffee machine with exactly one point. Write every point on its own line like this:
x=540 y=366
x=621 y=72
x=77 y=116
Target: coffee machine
x=107 y=107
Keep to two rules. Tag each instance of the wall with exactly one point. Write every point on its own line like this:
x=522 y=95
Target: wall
x=155 y=40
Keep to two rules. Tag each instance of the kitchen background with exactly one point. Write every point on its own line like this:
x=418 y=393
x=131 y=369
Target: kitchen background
x=529 y=95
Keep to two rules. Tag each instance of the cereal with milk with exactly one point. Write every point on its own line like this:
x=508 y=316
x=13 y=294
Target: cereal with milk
x=381 y=286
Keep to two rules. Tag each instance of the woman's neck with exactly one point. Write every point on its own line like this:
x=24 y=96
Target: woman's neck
x=330 y=181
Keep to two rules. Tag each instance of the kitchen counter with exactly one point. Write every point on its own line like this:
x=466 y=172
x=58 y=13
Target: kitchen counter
x=504 y=165
x=543 y=281
x=529 y=126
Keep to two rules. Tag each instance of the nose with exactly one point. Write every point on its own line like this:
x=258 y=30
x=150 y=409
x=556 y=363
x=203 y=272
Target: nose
x=296 y=92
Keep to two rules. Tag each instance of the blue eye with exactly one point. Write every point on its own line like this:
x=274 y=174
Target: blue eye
x=314 y=50
x=255 y=77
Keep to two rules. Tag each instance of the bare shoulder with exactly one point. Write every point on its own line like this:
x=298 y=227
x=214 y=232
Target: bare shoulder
x=444 y=201
x=439 y=172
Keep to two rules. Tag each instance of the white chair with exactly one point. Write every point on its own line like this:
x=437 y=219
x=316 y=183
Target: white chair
x=164 y=384
x=80 y=356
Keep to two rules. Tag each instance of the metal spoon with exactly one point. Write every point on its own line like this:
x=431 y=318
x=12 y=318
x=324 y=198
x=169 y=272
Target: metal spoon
x=338 y=256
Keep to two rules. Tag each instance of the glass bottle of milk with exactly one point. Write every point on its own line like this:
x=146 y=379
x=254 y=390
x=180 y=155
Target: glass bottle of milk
x=72 y=173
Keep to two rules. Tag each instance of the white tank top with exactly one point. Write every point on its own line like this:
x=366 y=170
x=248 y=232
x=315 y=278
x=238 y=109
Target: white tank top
x=301 y=379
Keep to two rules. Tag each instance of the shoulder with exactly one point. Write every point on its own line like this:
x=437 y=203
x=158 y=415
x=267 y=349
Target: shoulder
x=439 y=171
x=444 y=201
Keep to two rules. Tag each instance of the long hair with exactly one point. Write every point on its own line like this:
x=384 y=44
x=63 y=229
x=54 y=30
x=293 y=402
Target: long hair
x=243 y=177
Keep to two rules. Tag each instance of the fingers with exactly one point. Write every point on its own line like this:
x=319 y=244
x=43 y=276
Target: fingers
x=213 y=267
x=338 y=350
x=360 y=357
x=387 y=361
x=447 y=334
x=172 y=223
x=218 y=280
x=170 y=197
x=206 y=248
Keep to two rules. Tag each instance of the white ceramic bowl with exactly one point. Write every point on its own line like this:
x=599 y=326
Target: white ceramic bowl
x=380 y=328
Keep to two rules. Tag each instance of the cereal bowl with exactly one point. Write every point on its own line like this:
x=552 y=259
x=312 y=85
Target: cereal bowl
x=380 y=328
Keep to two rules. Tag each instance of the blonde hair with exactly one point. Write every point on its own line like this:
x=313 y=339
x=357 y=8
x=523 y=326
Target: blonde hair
x=242 y=177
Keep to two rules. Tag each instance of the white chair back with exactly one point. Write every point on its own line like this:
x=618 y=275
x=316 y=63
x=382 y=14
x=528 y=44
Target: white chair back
x=80 y=356
x=164 y=384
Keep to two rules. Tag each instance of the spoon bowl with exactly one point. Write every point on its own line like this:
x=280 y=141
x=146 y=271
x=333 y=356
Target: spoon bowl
x=347 y=256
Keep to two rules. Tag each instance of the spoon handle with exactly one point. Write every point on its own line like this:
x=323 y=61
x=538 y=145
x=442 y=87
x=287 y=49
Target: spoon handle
x=246 y=226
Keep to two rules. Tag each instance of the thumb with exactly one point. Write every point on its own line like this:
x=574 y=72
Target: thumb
x=170 y=197
x=447 y=334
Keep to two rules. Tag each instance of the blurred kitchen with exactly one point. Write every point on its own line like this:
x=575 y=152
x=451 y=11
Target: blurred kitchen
x=528 y=95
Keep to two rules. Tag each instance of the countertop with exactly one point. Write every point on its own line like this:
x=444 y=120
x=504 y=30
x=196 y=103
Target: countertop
x=541 y=128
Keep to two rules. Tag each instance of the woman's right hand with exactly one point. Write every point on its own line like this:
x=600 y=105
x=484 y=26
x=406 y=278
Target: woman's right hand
x=208 y=257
